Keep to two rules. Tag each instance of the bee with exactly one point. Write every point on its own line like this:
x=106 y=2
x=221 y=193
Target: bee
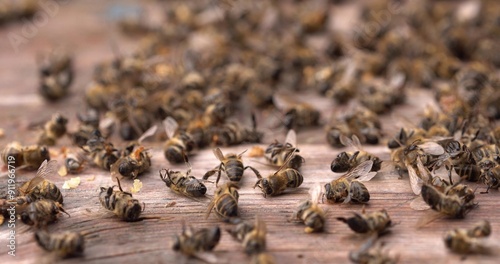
x=262 y=258
x=310 y=213
x=65 y=244
x=28 y=157
x=376 y=222
x=53 y=130
x=251 y=234
x=468 y=241
x=88 y=123
x=491 y=178
x=233 y=133
x=451 y=205
x=41 y=188
x=276 y=153
x=363 y=123
x=371 y=252
x=102 y=153
x=277 y=182
x=190 y=242
x=183 y=183
x=42 y=212
x=56 y=75
x=225 y=201
x=349 y=187
x=179 y=143
x=73 y=163
x=346 y=161
x=297 y=115
x=121 y=203
x=231 y=164
x=461 y=159
x=405 y=136
x=487 y=156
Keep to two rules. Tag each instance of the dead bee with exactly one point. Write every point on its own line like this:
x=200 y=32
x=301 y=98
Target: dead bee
x=467 y=241
x=102 y=152
x=491 y=178
x=65 y=244
x=297 y=115
x=41 y=188
x=376 y=222
x=349 y=188
x=88 y=123
x=461 y=159
x=276 y=183
x=451 y=205
x=183 y=183
x=276 y=153
x=225 y=201
x=53 y=130
x=487 y=156
x=251 y=234
x=121 y=203
x=363 y=123
x=405 y=136
x=310 y=213
x=346 y=161
x=233 y=133
x=179 y=143
x=42 y=212
x=56 y=75
x=191 y=242
x=231 y=164
x=29 y=157
x=74 y=163
x=371 y=252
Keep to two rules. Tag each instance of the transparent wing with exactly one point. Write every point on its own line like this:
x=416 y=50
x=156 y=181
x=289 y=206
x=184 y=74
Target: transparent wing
x=432 y=148
x=291 y=137
x=170 y=126
x=353 y=143
x=419 y=204
x=285 y=163
x=415 y=181
x=361 y=170
x=429 y=217
x=315 y=192
x=283 y=102
x=47 y=168
x=150 y=132
x=218 y=154
x=368 y=176
x=425 y=174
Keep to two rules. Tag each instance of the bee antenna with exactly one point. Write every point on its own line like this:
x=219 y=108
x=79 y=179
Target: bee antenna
x=119 y=185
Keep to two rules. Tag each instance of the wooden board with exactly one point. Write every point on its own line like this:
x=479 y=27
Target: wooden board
x=113 y=241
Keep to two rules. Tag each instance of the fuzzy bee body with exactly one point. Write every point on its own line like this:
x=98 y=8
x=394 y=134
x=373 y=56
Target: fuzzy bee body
x=65 y=244
x=121 y=203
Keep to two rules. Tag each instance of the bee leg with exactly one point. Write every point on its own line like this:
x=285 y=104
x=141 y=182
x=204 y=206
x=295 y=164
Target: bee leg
x=209 y=173
x=221 y=167
x=354 y=156
x=257 y=183
x=257 y=173
x=449 y=173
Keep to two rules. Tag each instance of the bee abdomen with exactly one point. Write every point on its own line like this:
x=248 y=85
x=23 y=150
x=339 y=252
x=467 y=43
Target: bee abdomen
x=227 y=207
x=234 y=170
x=295 y=178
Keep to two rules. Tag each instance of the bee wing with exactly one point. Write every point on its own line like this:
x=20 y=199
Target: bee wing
x=424 y=172
x=419 y=204
x=432 y=148
x=209 y=208
x=260 y=225
x=429 y=216
x=353 y=143
x=207 y=257
x=218 y=154
x=315 y=192
x=368 y=176
x=170 y=126
x=282 y=101
x=415 y=181
x=150 y=132
x=360 y=171
x=285 y=163
x=291 y=137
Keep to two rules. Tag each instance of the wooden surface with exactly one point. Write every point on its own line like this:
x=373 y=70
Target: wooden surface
x=110 y=240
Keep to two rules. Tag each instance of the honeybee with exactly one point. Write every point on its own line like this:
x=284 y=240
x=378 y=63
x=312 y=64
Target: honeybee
x=225 y=201
x=252 y=235
x=183 y=183
x=405 y=136
x=65 y=244
x=346 y=161
x=277 y=182
x=191 y=242
x=233 y=133
x=179 y=143
x=363 y=123
x=88 y=123
x=28 y=157
x=451 y=205
x=231 y=164
x=277 y=153
x=468 y=241
x=121 y=203
x=491 y=178
x=42 y=212
x=375 y=222
x=461 y=159
x=310 y=213
x=53 y=130
x=56 y=75
x=41 y=188
x=73 y=163
x=262 y=258
x=371 y=252
x=487 y=156
x=349 y=188
x=297 y=115
x=102 y=153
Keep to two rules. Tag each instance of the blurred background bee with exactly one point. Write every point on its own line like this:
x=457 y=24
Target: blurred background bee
x=225 y=202
x=361 y=122
x=88 y=122
x=41 y=188
x=251 y=234
x=373 y=223
x=179 y=143
x=25 y=157
x=101 y=151
x=183 y=183
x=42 y=212
x=310 y=213
x=53 y=130
x=371 y=251
x=193 y=243
x=447 y=204
x=277 y=153
x=297 y=115
x=277 y=182
x=121 y=203
x=349 y=187
x=346 y=161
x=64 y=244
x=56 y=75
x=231 y=164
x=74 y=163
x=470 y=241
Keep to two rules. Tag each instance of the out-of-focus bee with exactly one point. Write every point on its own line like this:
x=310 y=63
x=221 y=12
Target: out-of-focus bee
x=132 y=119
x=56 y=75
x=363 y=123
x=405 y=137
x=88 y=123
x=277 y=153
x=263 y=258
x=451 y=205
x=381 y=98
x=191 y=242
x=53 y=130
x=231 y=164
x=64 y=244
x=225 y=201
x=41 y=188
x=296 y=115
x=371 y=252
x=102 y=153
x=251 y=234
x=349 y=188
x=461 y=159
x=487 y=156
x=346 y=87
x=179 y=143
x=491 y=178
x=276 y=183
x=376 y=222
x=233 y=133
x=468 y=241
x=74 y=163
x=121 y=203
x=183 y=183
x=42 y=212
x=346 y=161
x=29 y=157
x=310 y=213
